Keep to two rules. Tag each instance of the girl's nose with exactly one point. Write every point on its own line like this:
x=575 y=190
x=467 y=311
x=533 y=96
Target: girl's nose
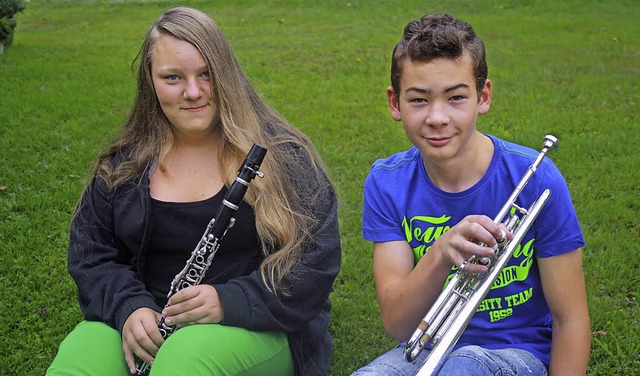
x=192 y=89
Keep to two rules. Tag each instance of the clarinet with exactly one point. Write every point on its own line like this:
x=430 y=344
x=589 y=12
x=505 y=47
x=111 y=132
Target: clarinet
x=202 y=255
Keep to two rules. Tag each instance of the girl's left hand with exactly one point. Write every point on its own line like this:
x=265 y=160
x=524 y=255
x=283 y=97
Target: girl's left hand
x=194 y=305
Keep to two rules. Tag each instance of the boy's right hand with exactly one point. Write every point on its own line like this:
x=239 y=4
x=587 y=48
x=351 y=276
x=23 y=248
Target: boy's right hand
x=464 y=240
x=141 y=337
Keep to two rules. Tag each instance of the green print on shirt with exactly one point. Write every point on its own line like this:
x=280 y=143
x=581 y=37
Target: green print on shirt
x=422 y=231
x=518 y=272
x=501 y=308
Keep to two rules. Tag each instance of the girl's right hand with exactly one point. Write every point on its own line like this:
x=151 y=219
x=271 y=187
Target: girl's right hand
x=141 y=337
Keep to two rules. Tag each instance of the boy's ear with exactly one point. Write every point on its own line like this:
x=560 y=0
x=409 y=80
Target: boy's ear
x=394 y=106
x=485 y=98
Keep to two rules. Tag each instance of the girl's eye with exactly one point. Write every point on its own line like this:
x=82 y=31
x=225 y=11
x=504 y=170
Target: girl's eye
x=172 y=77
x=205 y=74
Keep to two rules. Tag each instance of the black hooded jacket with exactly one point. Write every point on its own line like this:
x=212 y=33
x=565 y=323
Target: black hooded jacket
x=110 y=238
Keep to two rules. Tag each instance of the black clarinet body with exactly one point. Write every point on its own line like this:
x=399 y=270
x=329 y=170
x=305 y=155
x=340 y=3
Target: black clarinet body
x=202 y=256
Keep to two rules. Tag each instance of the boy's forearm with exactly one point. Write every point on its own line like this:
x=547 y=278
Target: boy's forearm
x=570 y=348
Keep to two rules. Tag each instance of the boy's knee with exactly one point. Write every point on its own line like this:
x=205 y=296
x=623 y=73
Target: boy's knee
x=472 y=351
x=468 y=360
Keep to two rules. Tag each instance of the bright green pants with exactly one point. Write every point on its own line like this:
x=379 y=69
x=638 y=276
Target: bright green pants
x=94 y=348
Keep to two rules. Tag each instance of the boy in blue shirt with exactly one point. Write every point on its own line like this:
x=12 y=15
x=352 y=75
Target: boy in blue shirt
x=428 y=208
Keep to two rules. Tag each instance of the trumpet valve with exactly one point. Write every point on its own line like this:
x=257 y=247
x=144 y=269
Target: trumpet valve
x=511 y=222
x=502 y=240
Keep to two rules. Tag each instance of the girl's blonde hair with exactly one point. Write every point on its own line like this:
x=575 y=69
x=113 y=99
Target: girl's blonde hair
x=295 y=178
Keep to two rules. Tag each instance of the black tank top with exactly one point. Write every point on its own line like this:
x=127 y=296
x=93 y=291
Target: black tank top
x=176 y=229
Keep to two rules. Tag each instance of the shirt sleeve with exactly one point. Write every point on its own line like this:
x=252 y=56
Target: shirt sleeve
x=109 y=290
x=557 y=227
x=380 y=218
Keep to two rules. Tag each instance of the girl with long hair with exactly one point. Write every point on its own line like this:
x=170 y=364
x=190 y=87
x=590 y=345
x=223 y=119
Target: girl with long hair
x=263 y=306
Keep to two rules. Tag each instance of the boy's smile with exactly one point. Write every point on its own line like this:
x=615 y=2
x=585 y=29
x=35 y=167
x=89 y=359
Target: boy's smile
x=438 y=105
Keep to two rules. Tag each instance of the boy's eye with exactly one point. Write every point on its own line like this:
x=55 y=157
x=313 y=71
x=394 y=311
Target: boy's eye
x=418 y=100
x=458 y=97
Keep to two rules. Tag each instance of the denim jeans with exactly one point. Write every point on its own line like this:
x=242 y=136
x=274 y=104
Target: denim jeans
x=465 y=361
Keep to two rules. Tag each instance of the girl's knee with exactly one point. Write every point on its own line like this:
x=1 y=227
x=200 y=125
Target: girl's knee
x=222 y=350
x=91 y=348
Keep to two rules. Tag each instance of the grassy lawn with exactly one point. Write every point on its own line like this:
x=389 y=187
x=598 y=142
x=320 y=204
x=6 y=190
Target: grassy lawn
x=564 y=67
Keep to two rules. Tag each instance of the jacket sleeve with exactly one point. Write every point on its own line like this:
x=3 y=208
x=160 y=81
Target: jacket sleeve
x=109 y=289
x=249 y=304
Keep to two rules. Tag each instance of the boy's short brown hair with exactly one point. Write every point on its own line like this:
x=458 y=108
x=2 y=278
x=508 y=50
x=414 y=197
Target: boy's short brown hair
x=435 y=36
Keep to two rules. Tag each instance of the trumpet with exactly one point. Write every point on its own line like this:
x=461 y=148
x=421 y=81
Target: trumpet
x=450 y=314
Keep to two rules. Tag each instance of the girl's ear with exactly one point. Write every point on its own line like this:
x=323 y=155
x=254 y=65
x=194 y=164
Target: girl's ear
x=394 y=106
x=485 y=98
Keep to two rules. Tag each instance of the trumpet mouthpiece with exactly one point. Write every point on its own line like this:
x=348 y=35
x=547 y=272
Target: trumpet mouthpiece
x=550 y=141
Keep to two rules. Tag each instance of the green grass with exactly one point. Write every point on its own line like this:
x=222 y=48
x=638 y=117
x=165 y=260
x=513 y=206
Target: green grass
x=568 y=67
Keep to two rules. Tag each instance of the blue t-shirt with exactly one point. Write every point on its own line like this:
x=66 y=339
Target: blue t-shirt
x=401 y=203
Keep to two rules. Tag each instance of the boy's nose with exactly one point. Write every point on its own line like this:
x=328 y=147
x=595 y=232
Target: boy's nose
x=437 y=116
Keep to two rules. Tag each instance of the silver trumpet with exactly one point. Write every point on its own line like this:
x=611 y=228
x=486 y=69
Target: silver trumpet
x=457 y=303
